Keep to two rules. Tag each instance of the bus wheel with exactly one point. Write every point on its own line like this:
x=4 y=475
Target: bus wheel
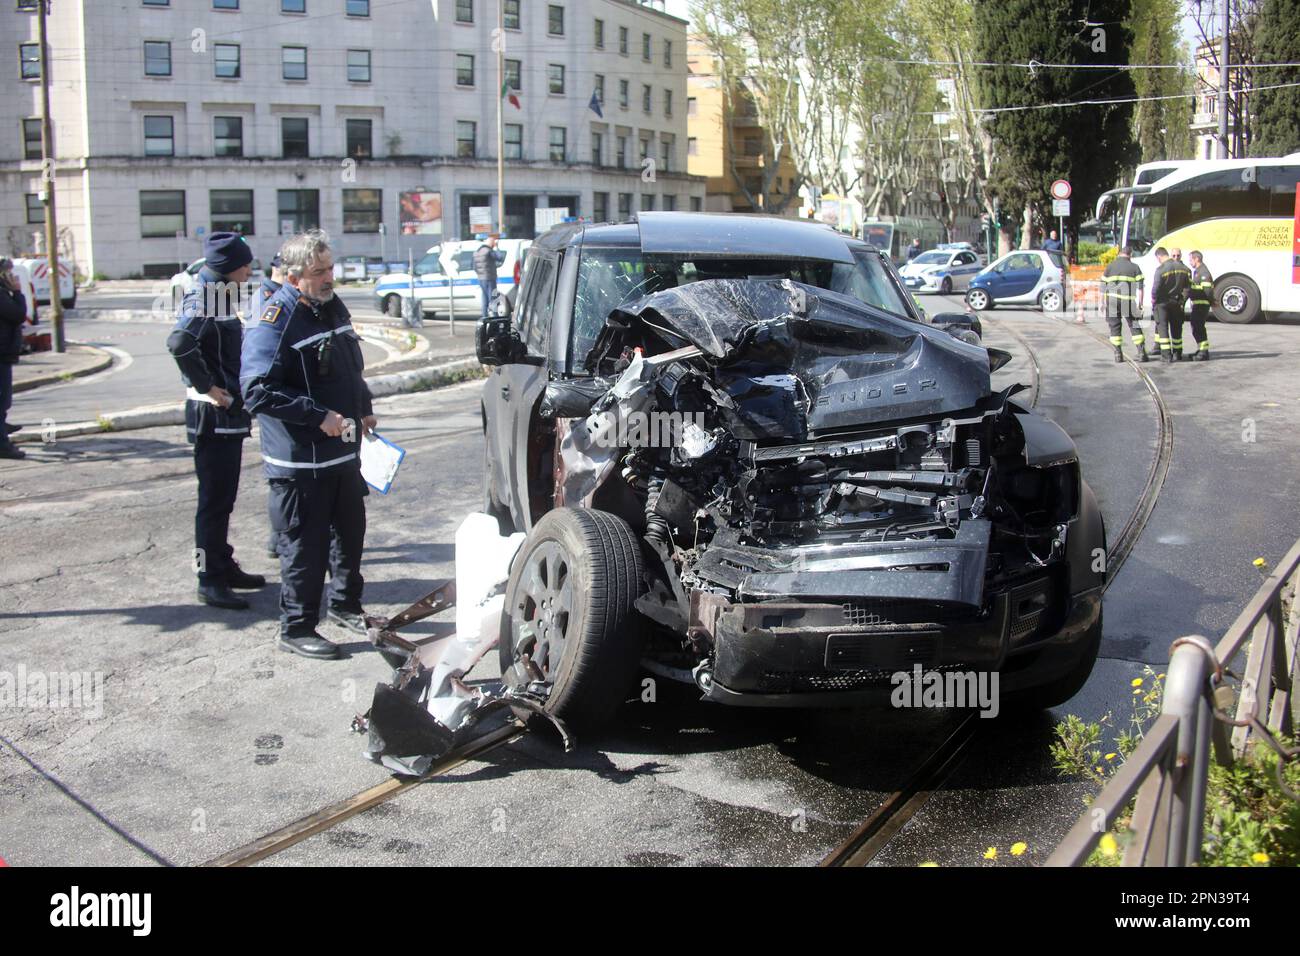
x=1236 y=300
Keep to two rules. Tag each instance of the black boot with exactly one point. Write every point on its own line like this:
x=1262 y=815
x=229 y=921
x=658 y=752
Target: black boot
x=1201 y=355
x=220 y=595
x=1167 y=356
x=10 y=428
x=1119 y=354
x=10 y=450
x=1178 y=355
x=309 y=645
x=237 y=577
x=353 y=620
x=1142 y=354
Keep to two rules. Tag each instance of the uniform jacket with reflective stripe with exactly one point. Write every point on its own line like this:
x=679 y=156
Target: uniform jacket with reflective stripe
x=268 y=288
x=1202 y=283
x=301 y=361
x=1122 y=280
x=206 y=344
x=1170 y=283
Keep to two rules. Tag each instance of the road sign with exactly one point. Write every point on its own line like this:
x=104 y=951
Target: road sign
x=1060 y=207
x=480 y=218
x=1060 y=189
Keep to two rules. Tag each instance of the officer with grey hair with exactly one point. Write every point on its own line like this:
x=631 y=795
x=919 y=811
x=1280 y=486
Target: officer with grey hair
x=301 y=377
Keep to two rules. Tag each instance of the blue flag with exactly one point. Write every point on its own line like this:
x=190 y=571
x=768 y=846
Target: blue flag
x=594 y=105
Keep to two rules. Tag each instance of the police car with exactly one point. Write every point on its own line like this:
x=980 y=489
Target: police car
x=452 y=261
x=39 y=272
x=943 y=269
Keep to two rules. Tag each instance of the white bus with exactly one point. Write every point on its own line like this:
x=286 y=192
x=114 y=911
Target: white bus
x=1240 y=213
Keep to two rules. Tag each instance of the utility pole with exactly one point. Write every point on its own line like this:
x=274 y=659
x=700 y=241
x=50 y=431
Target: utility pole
x=47 y=179
x=1225 y=21
x=501 y=153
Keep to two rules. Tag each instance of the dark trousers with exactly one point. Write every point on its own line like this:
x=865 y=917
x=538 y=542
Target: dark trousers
x=1199 y=314
x=216 y=462
x=488 y=289
x=6 y=397
x=304 y=511
x=1169 y=327
x=1116 y=321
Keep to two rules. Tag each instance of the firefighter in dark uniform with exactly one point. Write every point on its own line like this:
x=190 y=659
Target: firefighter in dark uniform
x=1201 y=295
x=301 y=377
x=1169 y=287
x=206 y=345
x=1122 y=289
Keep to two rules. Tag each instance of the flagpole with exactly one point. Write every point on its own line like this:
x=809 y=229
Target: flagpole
x=501 y=153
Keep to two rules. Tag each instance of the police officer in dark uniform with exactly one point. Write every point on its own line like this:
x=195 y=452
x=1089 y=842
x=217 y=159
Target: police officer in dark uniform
x=1122 y=288
x=206 y=345
x=301 y=377
x=1169 y=287
x=269 y=286
x=1201 y=295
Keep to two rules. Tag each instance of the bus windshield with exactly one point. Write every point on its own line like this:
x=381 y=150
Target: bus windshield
x=1147 y=221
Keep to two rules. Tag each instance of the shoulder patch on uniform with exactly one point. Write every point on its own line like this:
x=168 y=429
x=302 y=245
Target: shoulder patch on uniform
x=272 y=313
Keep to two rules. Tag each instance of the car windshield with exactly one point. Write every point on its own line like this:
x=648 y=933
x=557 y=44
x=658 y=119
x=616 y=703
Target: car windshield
x=611 y=277
x=932 y=258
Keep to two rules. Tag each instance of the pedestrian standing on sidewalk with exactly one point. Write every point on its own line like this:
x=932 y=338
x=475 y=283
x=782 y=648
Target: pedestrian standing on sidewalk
x=486 y=260
x=13 y=313
x=206 y=344
x=1052 y=243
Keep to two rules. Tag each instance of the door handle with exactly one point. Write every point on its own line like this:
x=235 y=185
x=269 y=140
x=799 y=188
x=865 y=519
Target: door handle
x=505 y=391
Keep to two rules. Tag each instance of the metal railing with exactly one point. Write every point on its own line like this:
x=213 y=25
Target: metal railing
x=1168 y=772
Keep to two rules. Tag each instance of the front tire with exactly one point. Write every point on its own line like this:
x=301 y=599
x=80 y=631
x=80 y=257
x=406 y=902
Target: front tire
x=1063 y=688
x=945 y=287
x=1237 y=300
x=570 y=609
x=393 y=306
x=1051 y=300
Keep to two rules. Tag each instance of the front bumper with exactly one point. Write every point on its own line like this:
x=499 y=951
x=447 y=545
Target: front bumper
x=777 y=653
x=926 y=283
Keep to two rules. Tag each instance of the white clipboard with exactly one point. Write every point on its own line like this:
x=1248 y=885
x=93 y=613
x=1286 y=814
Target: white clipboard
x=380 y=460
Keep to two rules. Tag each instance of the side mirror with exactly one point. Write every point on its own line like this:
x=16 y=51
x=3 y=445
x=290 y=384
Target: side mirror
x=955 y=323
x=497 y=343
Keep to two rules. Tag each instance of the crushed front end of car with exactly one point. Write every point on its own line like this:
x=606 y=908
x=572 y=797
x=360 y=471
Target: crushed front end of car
x=834 y=494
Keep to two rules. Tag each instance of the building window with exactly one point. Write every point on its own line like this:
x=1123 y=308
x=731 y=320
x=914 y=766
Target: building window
x=29 y=60
x=668 y=102
x=293 y=62
x=622 y=40
x=599 y=85
x=620 y=156
x=559 y=140
x=159 y=136
x=466 y=139
x=231 y=210
x=359 y=138
x=692 y=146
x=666 y=155
x=465 y=69
x=600 y=207
x=622 y=94
x=358 y=66
x=464 y=11
x=692 y=106
x=27 y=4
x=225 y=4
x=648 y=202
x=645 y=98
x=668 y=53
x=514 y=73
x=645 y=47
x=32 y=138
x=35 y=209
x=555 y=19
x=226 y=56
x=157 y=58
x=514 y=141
x=293 y=137
x=645 y=148
x=299 y=209
x=599 y=34
x=362 y=210
x=670 y=204
x=510 y=15
x=357 y=8
x=227 y=136
x=624 y=205
x=147 y=3
x=162 y=213
x=293 y=6
x=697 y=204
x=555 y=77
x=597 y=148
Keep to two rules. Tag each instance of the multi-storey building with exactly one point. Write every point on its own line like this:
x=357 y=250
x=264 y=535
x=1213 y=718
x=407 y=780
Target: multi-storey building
x=173 y=118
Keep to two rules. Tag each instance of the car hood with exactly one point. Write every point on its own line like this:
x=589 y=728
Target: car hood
x=796 y=360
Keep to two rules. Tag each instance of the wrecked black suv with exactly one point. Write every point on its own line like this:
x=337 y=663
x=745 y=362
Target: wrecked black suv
x=744 y=458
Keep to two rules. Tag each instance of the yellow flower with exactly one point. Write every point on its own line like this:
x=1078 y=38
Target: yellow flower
x=1018 y=848
x=1260 y=563
x=1111 y=756
x=1098 y=769
x=929 y=863
x=1137 y=682
x=1108 y=846
x=1260 y=858
x=991 y=853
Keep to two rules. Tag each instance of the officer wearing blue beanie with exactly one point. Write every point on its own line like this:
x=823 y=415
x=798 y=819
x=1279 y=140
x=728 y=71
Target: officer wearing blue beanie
x=206 y=344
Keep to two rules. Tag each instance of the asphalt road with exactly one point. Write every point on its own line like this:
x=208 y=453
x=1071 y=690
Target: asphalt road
x=209 y=737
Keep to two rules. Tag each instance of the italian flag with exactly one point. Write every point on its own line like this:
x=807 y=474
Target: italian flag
x=510 y=96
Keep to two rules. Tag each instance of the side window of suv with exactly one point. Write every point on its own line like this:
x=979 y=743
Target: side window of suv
x=541 y=298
